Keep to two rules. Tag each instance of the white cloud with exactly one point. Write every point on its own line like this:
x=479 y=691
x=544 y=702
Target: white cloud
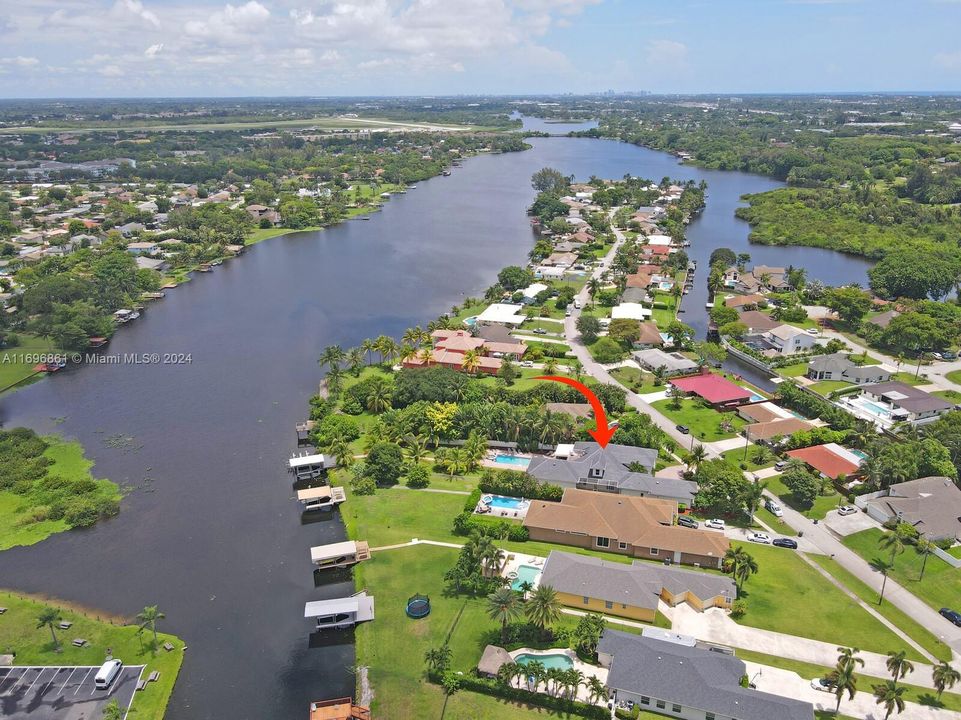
x=234 y=24
x=19 y=61
x=111 y=71
x=137 y=8
x=666 y=53
x=153 y=50
x=949 y=60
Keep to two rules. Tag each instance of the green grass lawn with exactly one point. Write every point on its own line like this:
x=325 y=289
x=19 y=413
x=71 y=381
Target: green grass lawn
x=775 y=523
x=826 y=387
x=17 y=512
x=822 y=505
x=941 y=586
x=637 y=380
x=703 y=421
x=14 y=369
x=789 y=596
x=908 y=378
x=19 y=633
x=954 y=376
x=551 y=326
x=736 y=457
x=796 y=370
x=914 y=630
x=950 y=395
x=261 y=234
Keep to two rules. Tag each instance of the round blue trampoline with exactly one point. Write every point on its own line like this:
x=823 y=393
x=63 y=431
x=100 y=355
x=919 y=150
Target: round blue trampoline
x=418 y=606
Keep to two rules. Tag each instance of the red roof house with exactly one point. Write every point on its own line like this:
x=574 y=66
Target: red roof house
x=827 y=460
x=713 y=388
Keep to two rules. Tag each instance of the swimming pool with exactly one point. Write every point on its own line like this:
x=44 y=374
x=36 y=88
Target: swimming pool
x=757 y=398
x=872 y=407
x=517 y=460
x=858 y=453
x=471 y=321
x=505 y=503
x=525 y=574
x=559 y=661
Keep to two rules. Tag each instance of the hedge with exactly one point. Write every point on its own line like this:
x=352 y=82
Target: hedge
x=467 y=522
x=494 y=688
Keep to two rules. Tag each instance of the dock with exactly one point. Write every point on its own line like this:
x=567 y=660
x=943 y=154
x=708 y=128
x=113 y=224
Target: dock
x=325 y=497
x=309 y=466
x=339 y=555
x=340 y=613
x=339 y=709
x=303 y=431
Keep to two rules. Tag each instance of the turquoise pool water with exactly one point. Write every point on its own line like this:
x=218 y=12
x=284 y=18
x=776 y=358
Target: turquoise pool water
x=471 y=321
x=561 y=662
x=859 y=454
x=525 y=574
x=512 y=460
x=506 y=503
x=756 y=398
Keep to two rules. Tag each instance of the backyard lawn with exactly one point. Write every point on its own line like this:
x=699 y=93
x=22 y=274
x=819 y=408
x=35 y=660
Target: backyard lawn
x=823 y=504
x=736 y=457
x=796 y=370
x=789 y=596
x=637 y=380
x=826 y=387
x=954 y=376
x=14 y=368
x=703 y=421
x=941 y=586
x=33 y=646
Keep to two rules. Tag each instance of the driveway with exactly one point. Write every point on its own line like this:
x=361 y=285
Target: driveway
x=62 y=693
x=844 y=525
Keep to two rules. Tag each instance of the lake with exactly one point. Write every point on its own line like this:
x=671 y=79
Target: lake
x=210 y=531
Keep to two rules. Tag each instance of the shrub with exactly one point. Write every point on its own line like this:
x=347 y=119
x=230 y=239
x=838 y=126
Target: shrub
x=418 y=477
x=495 y=689
x=515 y=484
x=606 y=350
x=738 y=609
x=385 y=463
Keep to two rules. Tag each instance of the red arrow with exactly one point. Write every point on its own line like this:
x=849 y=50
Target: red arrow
x=603 y=433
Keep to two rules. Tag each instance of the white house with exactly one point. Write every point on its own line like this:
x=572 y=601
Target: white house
x=788 y=339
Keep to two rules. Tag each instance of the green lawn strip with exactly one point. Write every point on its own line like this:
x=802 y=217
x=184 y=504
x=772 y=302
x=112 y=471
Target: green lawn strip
x=22 y=520
x=775 y=523
x=552 y=327
x=823 y=504
x=19 y=634
x=261 y=234
x=702 y=421
x=736 y=457
x=950 y=395
x=636 y=380
x=14 y=367
x=809 y=671
x=907 y=624
x=941 y=586
x=826 y=387
x=393 y=646
x=954 y=376
x=784 y=583
x=796 y=370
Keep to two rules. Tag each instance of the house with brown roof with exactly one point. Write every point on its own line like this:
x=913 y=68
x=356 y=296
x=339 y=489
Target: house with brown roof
x=640 y=527
x=757 y=322
x=451 y=347
x=745 y=301
x=650 y=337
x=768 y=432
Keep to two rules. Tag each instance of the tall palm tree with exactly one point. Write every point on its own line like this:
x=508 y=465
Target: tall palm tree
x=890 y=696
x=554 y=676
x=333 y=355
x=506 y=673
x=924 y=548
x=550 y=366
x=355 y=360
x=849 y=656
x=368 y=346
x=884 y=568
x=898 y=665
x=697 y=456
x=340 y=449
x=743 y=565
x=573 y=680
x=471 y=361
x=379 y=399
x=596 y=689
x=406 y=352
x=892 y=541
x=537 y=671
x=843 y=680
x=944 y=677
x=593 y=288
x=427 y=355
x=753 y=495
x=412 y=335
x=148 y=617
x=49 y=617
x=416 y=448
x=577 y=370
x=543 y=608
x=504 y=605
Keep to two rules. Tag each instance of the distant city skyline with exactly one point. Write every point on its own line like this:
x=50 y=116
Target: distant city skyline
x=206 y=48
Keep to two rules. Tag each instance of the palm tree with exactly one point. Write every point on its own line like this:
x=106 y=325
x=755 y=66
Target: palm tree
x=416 y=447
x=753 y=495
x=543 y=608
x=596 y=689
x=504 y=605
x=892 y=541
x=577 y=370
x=506 y=673
x=550 y=366
x=697 y=456
x=148 y=617
x=334 y=379
x=884 y=568
x=49 y=617
x=387 y=348
x=412 y=335
x=406 y=352
x=438 y=659
x=849 y=656
x=843 y=680
x=556 y=676
x=471 y=361
x=924 y=548
x=898 y=665
x=379 y=399
x=340 y=449
x=573 y=679
x=536 y=670
x=333 y=355
x=427 y=355
x=944 y=677
x=368 y=346
x=743 y=565
x=355 y=360
x=593 y=288
x=890 y=696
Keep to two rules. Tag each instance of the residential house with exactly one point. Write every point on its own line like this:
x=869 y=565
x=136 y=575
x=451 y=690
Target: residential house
x=451 y=347
x=501 y=314
x=720 y=392
x=131 y=228
x=650 y=337
x=757 y=322
x=145 y=263
x=837 y=366
x=560 y=259
x=615 y=469
x=772 y=431
x=531 y=292
x=932 y=505
x=630 y=311
x=745 y=302
x=883 y=319
x=547 y=272
x=905 y=403
x=672 y=363
x=787 y=339
x=687 y=681
x=762 y=412
x=639 y=527
x=731 y=277
x=830 y=460
x=142 y=248
x=632 y=591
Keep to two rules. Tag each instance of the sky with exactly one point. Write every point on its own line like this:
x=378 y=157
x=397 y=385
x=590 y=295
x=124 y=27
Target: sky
x=204 y=48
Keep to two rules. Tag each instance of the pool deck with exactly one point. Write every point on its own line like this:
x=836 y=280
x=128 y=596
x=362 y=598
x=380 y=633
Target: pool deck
x=501 y=512
x=582 y=693
x=515 y=560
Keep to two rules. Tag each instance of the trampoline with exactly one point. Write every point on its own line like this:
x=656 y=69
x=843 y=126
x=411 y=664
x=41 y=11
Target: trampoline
x=418 y=606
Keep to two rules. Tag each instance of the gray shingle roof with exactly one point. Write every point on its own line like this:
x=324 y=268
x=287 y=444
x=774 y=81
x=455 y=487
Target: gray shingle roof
x=692 y=677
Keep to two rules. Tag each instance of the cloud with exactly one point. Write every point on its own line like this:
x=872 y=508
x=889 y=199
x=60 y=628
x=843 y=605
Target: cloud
x=137 y=8
x=19 y=61
x=666 y=52
x=233 y=24
x=153 y=50
x=948 y=60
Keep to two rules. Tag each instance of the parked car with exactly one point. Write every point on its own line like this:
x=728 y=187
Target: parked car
x=821 y=684
x=949 y=355
x=540 y=331
x=683 y=429
x=773 y=508
x=758 y=537
x=785 y=543
x=715 y=524
x=568 y=311
x=847 y=510
x=687 y=521
x=527 y=364
x=780 y=465
x=811 y=331
x=937 y=356
x=951 y=615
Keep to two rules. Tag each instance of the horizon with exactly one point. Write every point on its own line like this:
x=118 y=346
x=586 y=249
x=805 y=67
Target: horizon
x=458 y=48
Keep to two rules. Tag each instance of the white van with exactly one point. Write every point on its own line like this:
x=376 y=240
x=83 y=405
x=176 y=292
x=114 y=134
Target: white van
x=107 y=674
x=577 y=303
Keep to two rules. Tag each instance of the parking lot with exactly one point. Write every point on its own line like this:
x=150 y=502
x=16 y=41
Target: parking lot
x=62 y=693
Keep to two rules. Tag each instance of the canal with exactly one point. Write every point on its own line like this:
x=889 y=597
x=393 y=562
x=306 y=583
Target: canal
x=209 y=530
